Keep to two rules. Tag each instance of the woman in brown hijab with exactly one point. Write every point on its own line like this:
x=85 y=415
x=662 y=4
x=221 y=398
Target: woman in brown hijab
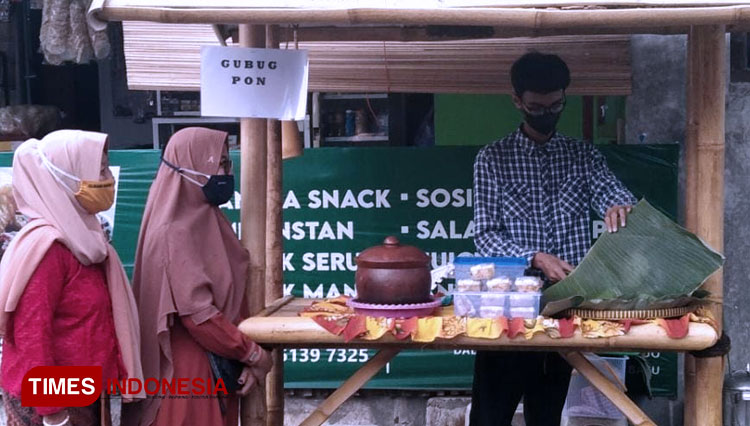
x=189 y=282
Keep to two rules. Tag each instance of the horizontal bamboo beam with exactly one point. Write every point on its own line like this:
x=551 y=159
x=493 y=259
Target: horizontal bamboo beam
x=291 y=331
x=452 y=32
x=410 y=34
x=633 y=19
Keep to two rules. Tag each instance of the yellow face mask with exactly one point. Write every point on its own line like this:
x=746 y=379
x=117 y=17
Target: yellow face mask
x=96 y=196
x=93 y=195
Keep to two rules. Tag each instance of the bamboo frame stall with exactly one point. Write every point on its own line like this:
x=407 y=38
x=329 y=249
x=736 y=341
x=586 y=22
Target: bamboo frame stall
x=706 y=24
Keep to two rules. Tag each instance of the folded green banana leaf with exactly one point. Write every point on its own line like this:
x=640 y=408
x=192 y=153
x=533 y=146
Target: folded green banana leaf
x=651 y=263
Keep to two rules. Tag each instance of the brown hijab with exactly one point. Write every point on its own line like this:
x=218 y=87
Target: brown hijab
x=188 y=261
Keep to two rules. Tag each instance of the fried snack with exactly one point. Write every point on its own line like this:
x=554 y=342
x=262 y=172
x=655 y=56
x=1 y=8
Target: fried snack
x=528 y=284
x=463 y=305
x=483 y=271
x=491 y=311
x=468 y=285
x=499 y=284
x=523 y=312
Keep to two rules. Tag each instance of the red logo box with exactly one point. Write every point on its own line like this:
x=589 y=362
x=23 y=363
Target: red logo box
x=61 y=386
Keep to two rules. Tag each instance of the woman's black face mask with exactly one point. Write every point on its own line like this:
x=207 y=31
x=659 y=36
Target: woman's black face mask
x=218 y=190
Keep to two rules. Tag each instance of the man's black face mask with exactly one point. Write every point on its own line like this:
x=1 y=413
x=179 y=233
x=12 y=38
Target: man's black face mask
x=543 y=119
x=544 y=124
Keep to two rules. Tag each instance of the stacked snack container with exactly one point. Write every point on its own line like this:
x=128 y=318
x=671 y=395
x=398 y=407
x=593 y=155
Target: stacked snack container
x=491 y=287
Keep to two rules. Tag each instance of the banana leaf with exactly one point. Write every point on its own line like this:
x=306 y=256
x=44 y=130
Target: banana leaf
x=651 y=263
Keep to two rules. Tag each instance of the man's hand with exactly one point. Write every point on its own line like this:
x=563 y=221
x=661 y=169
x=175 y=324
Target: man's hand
x=616 y=216
x=553 y=267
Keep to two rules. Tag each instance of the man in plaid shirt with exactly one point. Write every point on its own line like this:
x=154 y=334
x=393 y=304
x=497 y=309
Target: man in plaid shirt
x=533 y=191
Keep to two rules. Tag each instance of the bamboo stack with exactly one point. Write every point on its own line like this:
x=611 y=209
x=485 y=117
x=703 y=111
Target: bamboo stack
x=600 y=64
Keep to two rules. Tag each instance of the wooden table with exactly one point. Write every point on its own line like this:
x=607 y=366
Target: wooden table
x=280 y=326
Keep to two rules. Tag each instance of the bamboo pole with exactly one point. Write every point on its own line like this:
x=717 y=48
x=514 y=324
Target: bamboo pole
x=705 y=167
x=694 y=56
x=274 y=245
x=635 y=19
x=253 y=219
x=634 y=414
x=274 y=251
x=351 y=385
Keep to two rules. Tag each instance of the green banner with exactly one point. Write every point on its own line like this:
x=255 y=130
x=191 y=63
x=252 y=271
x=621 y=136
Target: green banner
x=339 y=201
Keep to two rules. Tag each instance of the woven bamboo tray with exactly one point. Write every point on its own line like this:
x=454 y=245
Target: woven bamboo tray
x=634 y=314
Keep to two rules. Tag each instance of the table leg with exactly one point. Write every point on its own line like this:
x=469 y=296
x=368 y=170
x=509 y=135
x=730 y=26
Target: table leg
x=349 y=387
x=634 y=414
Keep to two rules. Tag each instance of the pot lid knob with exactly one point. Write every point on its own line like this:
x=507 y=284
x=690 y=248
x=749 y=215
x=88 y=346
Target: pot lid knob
x=391 y=241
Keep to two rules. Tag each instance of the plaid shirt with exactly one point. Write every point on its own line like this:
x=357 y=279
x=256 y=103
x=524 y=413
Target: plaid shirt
x=531 y=197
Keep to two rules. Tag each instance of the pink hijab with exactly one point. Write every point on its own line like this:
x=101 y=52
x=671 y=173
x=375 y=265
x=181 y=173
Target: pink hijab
x=55 y=215
x=189 y=261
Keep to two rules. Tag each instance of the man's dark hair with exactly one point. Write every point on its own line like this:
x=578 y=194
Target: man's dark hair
x=540 y=73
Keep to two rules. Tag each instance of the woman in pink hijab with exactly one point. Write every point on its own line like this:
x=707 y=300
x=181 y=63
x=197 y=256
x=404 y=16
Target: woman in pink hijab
x=65 y=297
x=189 y=281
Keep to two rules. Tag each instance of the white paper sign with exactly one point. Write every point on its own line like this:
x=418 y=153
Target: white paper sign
x=249 y=82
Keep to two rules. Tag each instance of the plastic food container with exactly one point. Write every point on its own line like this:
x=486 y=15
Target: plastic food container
x=486 y=304
x=485 y=268
x=585 y=401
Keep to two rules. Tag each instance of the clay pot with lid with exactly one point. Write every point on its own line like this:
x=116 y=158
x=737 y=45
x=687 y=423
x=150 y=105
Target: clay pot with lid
x=393 y=274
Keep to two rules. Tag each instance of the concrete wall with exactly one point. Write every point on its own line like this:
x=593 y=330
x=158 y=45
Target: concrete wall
x=736 y=225
x=656 y=109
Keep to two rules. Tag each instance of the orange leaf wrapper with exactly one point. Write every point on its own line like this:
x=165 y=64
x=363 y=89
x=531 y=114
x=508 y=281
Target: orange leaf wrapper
x=403 y=328
x=452 y=327
x=334 y=324
x=567 y=327
x=516 y=327
x=593 y=329
x=377 y=327
x=341 y=300
x=551 y=327
x=704 y=315
x=533 y=326
x=676 y=328
x=326 y=307
x=356 y=327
